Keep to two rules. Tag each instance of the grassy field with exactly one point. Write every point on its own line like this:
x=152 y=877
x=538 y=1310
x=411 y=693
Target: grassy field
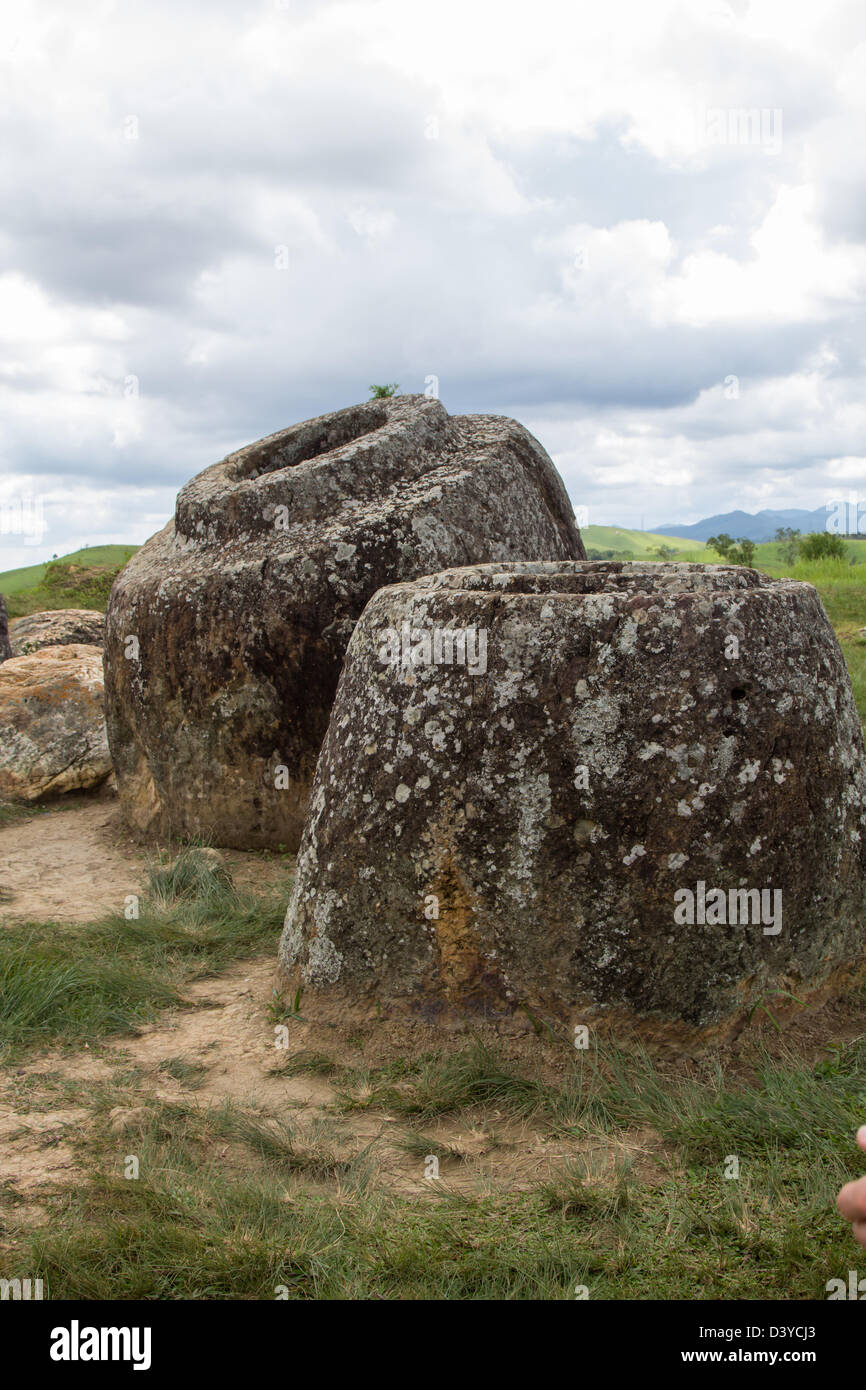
x=644 y=545
x=88 y=982
x=80 y=580
x=640 y=545
x=233 y=1200
x=110 y=556
x=299 y=1216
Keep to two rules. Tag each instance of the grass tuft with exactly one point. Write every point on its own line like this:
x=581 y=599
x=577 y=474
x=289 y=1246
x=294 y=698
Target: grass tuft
x=85 y=982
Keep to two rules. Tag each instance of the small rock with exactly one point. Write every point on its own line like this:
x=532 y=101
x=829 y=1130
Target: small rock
x=52 y=725
x=122 y=1119
x=212 y=855
x=58 y=628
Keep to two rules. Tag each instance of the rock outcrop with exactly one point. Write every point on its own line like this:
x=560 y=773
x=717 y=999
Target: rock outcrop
x=52 y=725
x=632 y=799
x=5 y=646
x=57 y=628
x=226 y=632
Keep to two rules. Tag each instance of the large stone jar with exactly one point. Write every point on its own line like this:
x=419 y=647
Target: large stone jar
x=226 y=632
x=633 y=797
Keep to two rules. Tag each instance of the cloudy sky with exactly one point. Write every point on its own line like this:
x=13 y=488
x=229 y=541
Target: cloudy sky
x=639 y=227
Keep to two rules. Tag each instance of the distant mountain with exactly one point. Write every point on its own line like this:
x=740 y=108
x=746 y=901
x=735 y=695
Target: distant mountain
x=761 y=526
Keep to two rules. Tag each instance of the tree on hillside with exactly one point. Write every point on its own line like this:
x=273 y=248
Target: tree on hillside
x=721 y=544
x=743 y=553
x=739 y=552
x=789 y=543
x=379 y=393
x=665 y=552
x=822 y=545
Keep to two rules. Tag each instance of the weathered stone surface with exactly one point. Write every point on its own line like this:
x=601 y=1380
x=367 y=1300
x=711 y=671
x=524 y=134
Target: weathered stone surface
x=239 y=612
x=52 y=726
x=529 y=835
x=5 y=646
x=57 y=628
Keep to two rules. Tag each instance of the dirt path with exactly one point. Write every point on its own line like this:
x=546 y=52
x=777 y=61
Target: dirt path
x=229 y=1039
x=73 y=863
x=67 y=865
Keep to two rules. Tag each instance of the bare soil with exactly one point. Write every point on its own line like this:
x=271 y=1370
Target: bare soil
x=226 y=1031
x=76 y=862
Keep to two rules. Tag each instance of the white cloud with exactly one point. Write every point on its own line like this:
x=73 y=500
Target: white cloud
x=793 y=275
x=527 y=206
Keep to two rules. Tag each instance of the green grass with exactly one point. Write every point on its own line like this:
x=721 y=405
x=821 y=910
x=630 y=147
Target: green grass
x=289 y=1210
x=421 y=1146
x=198 y=1237
x=769 y=558
x=188 y=1074
x=443 y=1083
x=798 y=1106
x=45 y=995
x=791 y=1107
x=83 y=983
x=11 y=812
x=307 y=1063
x=642 y=545
x=842 y=586
x=232 y=1202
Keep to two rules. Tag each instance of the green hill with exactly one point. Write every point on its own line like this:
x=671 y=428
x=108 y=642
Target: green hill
x=640 y=545
x=80 y=580
x=14 y=581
